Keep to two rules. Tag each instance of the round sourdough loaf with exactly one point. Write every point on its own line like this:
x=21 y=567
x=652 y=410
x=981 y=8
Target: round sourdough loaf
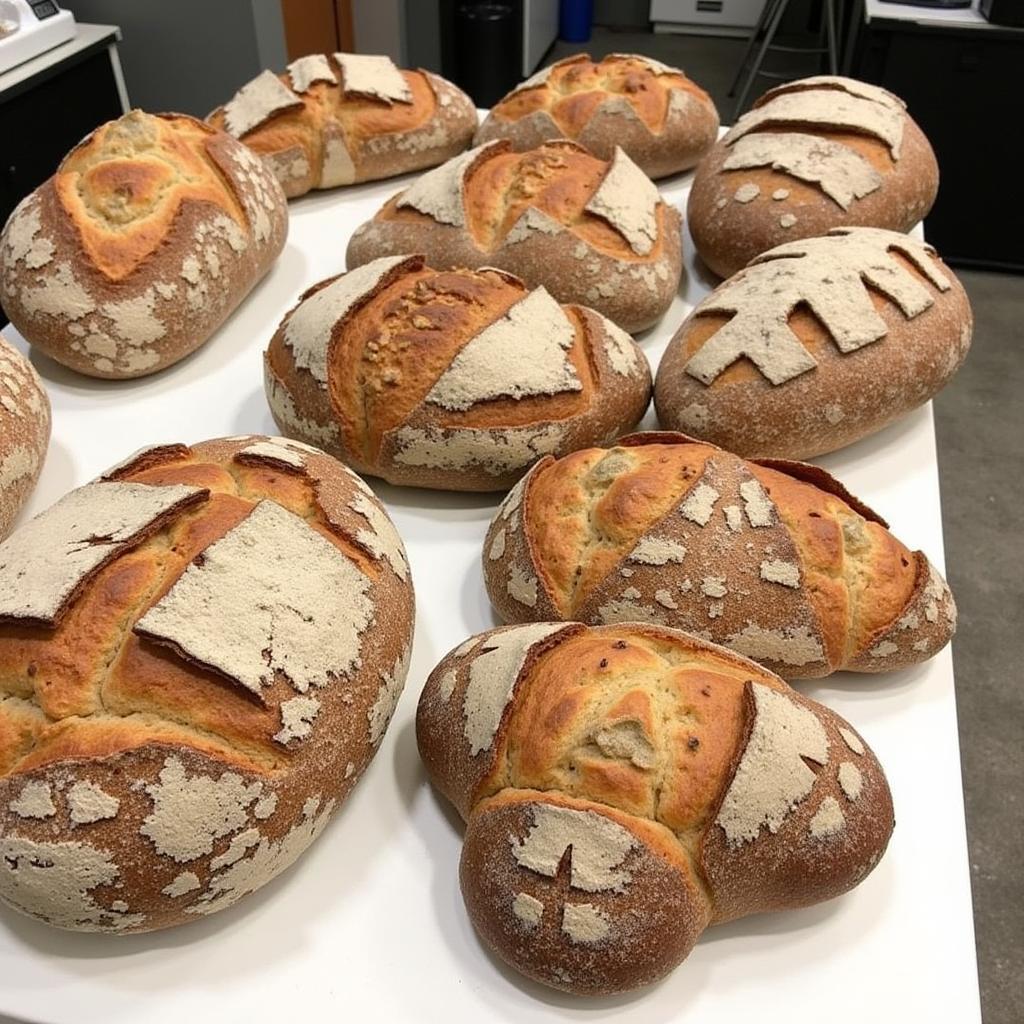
x=665 y=122
x=199 y=655
x=591 y=231
x=24 y=432
x=626 y=786
x=335 y=119
x=773 y=559
x=455 y=379
x=816 y=344
x=150 y=234
x=809 y=156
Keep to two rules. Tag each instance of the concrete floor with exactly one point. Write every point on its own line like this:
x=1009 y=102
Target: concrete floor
x=977 y=418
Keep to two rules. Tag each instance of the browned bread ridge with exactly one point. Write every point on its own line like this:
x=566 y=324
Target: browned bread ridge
x=626 y=786
x=335 y=119
x=591 y=231
x=811 y=155
x=665 y=122
x=816 y=344
x=773 y=559
x=456 y=379
x=199 y=654
x=24 y=432
x=150 y=234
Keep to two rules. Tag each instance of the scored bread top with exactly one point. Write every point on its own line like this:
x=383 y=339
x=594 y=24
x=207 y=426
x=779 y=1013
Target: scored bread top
x=499 y=195
x=400 y=365
x=810 y=155
x=151 y=231
x=158 y=640
x=660 y=117
x=772 y=559
x=334 y=119
x=763 y=797
x=862 y=324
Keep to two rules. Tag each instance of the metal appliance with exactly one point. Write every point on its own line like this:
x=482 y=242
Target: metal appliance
x=31 y=27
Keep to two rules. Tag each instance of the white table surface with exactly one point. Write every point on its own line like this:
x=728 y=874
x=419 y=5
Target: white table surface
x=370 y=925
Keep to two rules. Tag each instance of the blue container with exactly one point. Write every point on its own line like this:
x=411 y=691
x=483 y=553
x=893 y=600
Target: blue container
x=575 y=18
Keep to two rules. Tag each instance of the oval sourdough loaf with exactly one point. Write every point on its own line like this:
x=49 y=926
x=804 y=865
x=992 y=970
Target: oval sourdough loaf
x=150 y=234
x=335 y=119
x=665 y=122
x=773 y=559
x=199 y=655
x=817 y=343
x=811 y=155
x=591 y=231
x=457 y=379
x=24 y=432
x=625 y=786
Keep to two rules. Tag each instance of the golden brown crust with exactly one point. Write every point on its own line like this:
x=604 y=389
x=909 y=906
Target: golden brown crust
x=24 y=432
x=840 y=396
x=625 y=786
x=768 y=559
x=330 y=136
x=152 y=231
x=160 y=778
x=527 y=213
x=454 y=379
x=663 y=120
x=729 y=231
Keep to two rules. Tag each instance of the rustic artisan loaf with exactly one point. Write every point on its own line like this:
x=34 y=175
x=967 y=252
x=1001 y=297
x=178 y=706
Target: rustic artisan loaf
x=626 y=786
x=335 y=119
x=591 y=231
x=24 y=432
x=773 y=559
x=199 y=655
x=457 y=379
x=817 y=343
x=150 y=234
x=665 y=122
x=811 y=155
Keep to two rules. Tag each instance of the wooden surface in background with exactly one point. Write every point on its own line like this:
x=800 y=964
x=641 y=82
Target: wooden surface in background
x=317 y=26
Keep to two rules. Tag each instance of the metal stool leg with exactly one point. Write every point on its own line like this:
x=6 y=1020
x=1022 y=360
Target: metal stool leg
x=762 y=21
x=773 y=27
x=830 y=27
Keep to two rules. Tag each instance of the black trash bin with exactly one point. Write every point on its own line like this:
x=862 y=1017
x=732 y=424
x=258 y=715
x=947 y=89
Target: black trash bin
x=487 y=50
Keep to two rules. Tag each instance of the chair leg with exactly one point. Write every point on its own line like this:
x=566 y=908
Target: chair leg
x=773 y=27
x=762 y=21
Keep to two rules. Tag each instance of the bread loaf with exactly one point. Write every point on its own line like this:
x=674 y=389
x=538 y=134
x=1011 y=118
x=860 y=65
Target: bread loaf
x=24 y=432
x=150 y=234
x=591 y=231
x=773 y=559
x=626 y=786
x=455 y=379
x=199 y=655
x=335 y=119
x=816 y=344
x=811 y=155
x=665 y=122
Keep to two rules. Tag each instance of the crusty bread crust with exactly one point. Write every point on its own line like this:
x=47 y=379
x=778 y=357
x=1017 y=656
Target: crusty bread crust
x=150 y=234
x=737 y=214
x=332 y=136
x=452 y=379
x=527 y=214
x=768 y=558
x=24 y=432
x=924 y=322
x=663 y=120
x=180 y=725
x=625 y=786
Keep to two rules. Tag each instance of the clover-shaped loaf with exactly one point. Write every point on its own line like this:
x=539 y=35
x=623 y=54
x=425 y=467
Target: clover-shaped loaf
x=626 y=786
